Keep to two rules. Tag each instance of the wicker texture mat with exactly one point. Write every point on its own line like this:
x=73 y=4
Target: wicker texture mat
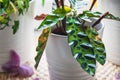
x=105 y=72
x=108 y=71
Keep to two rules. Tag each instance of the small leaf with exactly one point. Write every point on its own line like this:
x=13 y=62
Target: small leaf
x=15 y=26
x=41 y=17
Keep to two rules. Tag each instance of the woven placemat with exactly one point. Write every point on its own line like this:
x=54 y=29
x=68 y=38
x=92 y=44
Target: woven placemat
x=107 y=71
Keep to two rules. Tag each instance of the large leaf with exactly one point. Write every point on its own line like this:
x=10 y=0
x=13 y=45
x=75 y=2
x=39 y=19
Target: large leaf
x=86 y=15
x=99 y=49
x=81 y=47
x=41 y=45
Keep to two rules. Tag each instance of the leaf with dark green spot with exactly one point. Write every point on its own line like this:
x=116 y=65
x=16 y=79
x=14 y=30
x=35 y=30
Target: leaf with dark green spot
x=80 y=46
x=81 y=34
x=90 y=56
x=84 y=65
x=15 y=27
x=70 y=31
x=73 y=43
x=86 y=15
x=100 y=49
x=78 y=55
x=92 y=65
x=86 y=45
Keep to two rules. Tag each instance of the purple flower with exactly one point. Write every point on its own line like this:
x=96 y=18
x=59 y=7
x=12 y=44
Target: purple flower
x=118 y=76
x=13 y=66
x=25 y=71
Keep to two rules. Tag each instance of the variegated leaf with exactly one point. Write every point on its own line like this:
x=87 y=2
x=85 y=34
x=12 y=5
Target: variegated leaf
x=86 y=15
x=81 y=47
x=41 y=45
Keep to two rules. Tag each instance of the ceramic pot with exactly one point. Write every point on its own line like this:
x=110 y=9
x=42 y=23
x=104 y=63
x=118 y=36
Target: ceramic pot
x=22 y=42
x=111 y=33
x=61 y=64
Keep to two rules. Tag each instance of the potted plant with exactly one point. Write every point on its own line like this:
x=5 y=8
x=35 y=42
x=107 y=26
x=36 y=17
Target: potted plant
x=112 y=50
x=64 y=34
x=14 y=37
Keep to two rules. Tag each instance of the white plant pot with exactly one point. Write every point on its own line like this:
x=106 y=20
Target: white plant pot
x=111 y=35
x=61 y=64
x=22 y=42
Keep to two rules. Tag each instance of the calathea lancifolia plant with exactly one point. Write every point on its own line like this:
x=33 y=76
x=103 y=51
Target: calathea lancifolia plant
x=86 y=45
x=9 y=7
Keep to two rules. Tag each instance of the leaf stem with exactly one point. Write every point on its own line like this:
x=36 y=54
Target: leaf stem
x=93 y=3
x=99 y=20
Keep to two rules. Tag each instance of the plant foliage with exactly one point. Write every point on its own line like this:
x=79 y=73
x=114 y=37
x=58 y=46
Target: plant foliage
x=9 y=7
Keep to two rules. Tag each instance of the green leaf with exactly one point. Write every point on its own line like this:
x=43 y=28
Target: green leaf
x=81 y=47
x=41 y=45
x=86 y=15
x=51 y=20
x=22 y=5
x=15 y=27
x=99 y=49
